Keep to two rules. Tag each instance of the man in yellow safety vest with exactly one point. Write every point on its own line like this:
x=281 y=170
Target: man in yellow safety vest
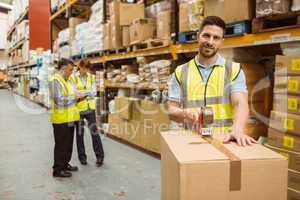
x=64 y=115
x=208 y=80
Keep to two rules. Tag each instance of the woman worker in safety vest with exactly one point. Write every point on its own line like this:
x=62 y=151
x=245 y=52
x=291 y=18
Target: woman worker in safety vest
x=85 y=85
x=64 y=115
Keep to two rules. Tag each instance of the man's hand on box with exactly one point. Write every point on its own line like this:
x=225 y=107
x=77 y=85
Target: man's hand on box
x=241 y=138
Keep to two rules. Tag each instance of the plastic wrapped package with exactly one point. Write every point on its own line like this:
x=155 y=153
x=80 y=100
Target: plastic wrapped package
x=64 y=36
x=271 y=7
x=64 y=52
x=296 y=5
x=154 y=9
x=191 y=15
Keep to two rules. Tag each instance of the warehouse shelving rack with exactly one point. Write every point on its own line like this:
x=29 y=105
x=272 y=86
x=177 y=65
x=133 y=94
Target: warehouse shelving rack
x=175 y=49
x=37 y=13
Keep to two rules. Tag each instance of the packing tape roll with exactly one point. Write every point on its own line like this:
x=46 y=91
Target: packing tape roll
x=207 y=116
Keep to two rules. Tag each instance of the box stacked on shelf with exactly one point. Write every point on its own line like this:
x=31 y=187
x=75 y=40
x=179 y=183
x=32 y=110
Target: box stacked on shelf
x=231 y=11
x=161 y=12
x=191 y=14
x=142 y=29
x=139 y=122
x=284 y=128
x=121 y=16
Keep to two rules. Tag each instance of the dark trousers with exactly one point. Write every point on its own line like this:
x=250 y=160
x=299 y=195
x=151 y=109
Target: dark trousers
x=97 y=143
x=63 y=136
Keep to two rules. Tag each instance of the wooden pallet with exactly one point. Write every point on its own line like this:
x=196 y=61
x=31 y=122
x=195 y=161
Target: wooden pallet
x=187 y=37
x=76 y=57
x=116 y=51
x=238 y=28
x=95 y=54
x=276 y=22
x=149 y=44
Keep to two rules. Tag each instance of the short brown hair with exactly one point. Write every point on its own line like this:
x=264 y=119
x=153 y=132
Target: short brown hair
x=213 y=20
x=85 y=63
x=64 y=62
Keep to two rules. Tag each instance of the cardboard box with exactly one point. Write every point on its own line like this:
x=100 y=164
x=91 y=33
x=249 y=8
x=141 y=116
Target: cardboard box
x=154 y=112
x=256 y=130
x=286 y=103
x=183 y=18
x=287 y=84
x=125 y=36
x=115 y=125
x=116 y=35
x=128 y=108
x=214 y=8
x=142 y=29
x=284 y=122
x=155 y=119
x=287 y=65
x=194 y=169
x=107 y=36
x=294 y=180
x=230 y=11
x=283 y=140
x=292 y=156
x=293 y=194
x=163 y=22
x=125 y=13
x=238 y=10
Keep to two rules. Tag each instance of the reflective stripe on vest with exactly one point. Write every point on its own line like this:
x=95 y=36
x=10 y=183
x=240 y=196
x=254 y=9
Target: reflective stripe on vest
x=90 y=102
x=60 y=115
x=214 y=93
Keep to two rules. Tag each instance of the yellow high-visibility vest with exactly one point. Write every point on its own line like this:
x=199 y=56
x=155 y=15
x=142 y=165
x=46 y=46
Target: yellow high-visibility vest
x=215 y=93
x=90 y=102
x=60 y=115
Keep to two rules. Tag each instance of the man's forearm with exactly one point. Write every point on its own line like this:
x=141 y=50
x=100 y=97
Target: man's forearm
x=240 y=117
x=179 y=115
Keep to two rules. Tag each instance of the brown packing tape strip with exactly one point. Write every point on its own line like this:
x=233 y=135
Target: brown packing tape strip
x=235 y=164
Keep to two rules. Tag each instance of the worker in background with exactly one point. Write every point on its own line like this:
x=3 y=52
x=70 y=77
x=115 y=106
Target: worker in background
x=86 y=86
x=208 y=80
x=64 y=115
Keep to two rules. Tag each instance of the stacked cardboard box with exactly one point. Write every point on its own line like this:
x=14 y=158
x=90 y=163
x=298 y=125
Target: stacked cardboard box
x=231 y=11
x=258 y=99
x=191 y=14
x=139 y=122
x=284 y=128
x=163 y=25
x=142 y=29
x=123 y=14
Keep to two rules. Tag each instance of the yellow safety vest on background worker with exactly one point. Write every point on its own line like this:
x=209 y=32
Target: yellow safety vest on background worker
x=90 y=102
x=215 y=93
x=60 y=115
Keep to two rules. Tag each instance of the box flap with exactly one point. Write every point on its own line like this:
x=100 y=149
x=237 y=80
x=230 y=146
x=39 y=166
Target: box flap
x=191 y=148
x=255 y=152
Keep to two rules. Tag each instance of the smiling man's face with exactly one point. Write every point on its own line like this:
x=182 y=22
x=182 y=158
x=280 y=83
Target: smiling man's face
x=210 y=40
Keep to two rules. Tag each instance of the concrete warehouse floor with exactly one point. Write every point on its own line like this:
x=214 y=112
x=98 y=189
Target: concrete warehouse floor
x=26 y=153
